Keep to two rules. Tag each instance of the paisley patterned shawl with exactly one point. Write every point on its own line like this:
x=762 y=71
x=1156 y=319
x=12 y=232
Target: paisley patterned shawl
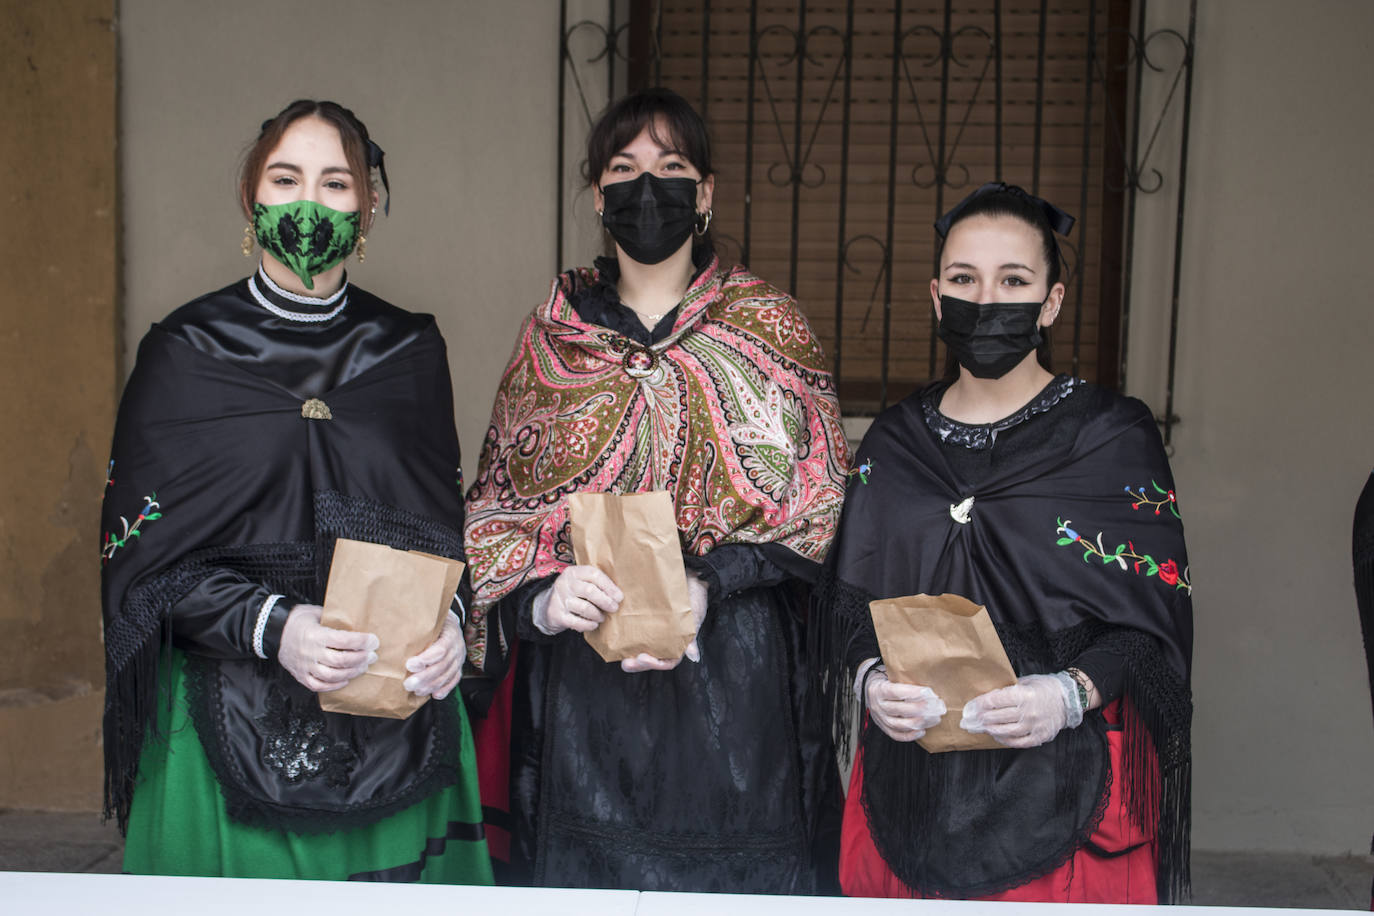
x=733 y=412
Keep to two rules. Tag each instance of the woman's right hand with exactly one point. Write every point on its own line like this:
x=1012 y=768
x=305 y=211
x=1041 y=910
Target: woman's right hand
x=320 y=657
x=579 y=599
x=903 y=711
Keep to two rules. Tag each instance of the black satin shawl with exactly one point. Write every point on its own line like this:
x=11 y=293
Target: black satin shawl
x=307 y=358
x=974 y=823
x=243 y=481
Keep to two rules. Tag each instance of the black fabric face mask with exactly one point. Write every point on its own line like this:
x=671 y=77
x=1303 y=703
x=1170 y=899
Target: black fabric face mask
x=650 y=217
x=990 y=339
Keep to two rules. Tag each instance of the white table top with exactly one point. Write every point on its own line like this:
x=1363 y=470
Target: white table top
x=140 y=895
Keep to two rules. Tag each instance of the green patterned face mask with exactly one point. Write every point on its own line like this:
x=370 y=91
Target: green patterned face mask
x=307 y=237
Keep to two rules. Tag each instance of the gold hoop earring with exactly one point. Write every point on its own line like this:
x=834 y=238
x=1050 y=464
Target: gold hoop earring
x=247 y=240
x=362 y=248
x=705 y=222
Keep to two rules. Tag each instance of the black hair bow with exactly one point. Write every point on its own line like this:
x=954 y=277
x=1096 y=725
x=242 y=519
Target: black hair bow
x=1059 y=221
x=376 y=159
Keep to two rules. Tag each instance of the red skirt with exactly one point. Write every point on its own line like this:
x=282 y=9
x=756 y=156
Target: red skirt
x=491 y=735
x=1122 y=872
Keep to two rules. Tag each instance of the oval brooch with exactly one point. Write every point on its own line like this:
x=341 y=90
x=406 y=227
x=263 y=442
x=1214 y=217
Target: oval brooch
x=639 y=362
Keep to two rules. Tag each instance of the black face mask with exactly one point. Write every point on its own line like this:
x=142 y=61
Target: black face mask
x=650 y=217
x=989 y=340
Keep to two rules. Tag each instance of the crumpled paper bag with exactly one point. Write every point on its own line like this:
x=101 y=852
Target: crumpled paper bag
x=947 y=643
x=403 y=597
x=633 y=539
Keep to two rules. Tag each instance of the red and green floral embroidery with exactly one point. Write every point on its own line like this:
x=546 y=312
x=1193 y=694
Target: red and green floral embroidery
x=1164 y=498
x=149 y=513
x=1126 y=556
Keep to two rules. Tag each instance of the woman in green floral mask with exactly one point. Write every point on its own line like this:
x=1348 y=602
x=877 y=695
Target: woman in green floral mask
x=261 y=423
x=309 y=197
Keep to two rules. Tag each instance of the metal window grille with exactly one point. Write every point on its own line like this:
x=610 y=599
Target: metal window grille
x=841 y=131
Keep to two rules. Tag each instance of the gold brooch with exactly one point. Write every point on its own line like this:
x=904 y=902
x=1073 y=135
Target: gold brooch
x=315 y=409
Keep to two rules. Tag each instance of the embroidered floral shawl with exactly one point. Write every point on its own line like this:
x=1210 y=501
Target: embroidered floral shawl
x=734 y=413
x=1073 y=544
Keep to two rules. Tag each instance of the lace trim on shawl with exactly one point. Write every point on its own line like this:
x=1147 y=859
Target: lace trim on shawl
x=982 y=436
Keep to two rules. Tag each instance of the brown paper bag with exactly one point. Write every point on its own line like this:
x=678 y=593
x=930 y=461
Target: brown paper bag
x=947 y=643
x=400 y=595
x=633 y=539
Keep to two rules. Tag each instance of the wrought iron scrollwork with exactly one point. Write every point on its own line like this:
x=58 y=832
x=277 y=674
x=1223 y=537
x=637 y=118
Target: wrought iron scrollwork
x=607 y=49
x=1138 y=55
x=941 y=155
x=795 y=161
x=884 y=265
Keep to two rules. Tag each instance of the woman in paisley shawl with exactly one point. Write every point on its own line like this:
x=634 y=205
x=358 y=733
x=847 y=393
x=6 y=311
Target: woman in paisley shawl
x=657 y=369
x=1050 y=502
x=261 y=422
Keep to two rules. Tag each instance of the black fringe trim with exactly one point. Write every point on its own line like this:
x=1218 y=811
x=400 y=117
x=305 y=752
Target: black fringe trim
x=840 y=637
x=138 y=640
x=338 y=515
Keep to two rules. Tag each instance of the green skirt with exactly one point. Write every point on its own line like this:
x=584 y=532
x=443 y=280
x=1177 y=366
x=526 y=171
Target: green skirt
x=178 y=824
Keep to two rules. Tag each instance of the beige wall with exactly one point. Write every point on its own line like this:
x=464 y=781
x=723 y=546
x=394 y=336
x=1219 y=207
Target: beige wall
x=461 y=95
x=1276 y=439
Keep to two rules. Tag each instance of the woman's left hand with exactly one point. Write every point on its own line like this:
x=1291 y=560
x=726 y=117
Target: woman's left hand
x=1027 y=714
x=696 y=592
x=437 y=670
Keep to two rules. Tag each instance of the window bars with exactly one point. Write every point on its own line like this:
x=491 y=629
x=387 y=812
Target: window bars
x=841 y=131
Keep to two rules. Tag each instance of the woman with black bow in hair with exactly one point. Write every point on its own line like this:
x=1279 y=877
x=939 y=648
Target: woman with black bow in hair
x=1049 y=501
x=262 y=422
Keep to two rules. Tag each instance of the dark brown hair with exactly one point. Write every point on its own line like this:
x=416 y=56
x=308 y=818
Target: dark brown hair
x=352 y=133
x=625 y=118
x=1018 y=206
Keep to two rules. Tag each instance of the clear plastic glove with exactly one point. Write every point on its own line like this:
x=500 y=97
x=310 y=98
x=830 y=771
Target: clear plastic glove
x=1027 y=714
x=320 y=657
x=696 y=593
x=902 y=711
x=579 y=599
x=437 y=670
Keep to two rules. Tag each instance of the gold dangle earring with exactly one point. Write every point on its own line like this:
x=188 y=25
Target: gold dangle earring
x=247 y=240
x=361 y=247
